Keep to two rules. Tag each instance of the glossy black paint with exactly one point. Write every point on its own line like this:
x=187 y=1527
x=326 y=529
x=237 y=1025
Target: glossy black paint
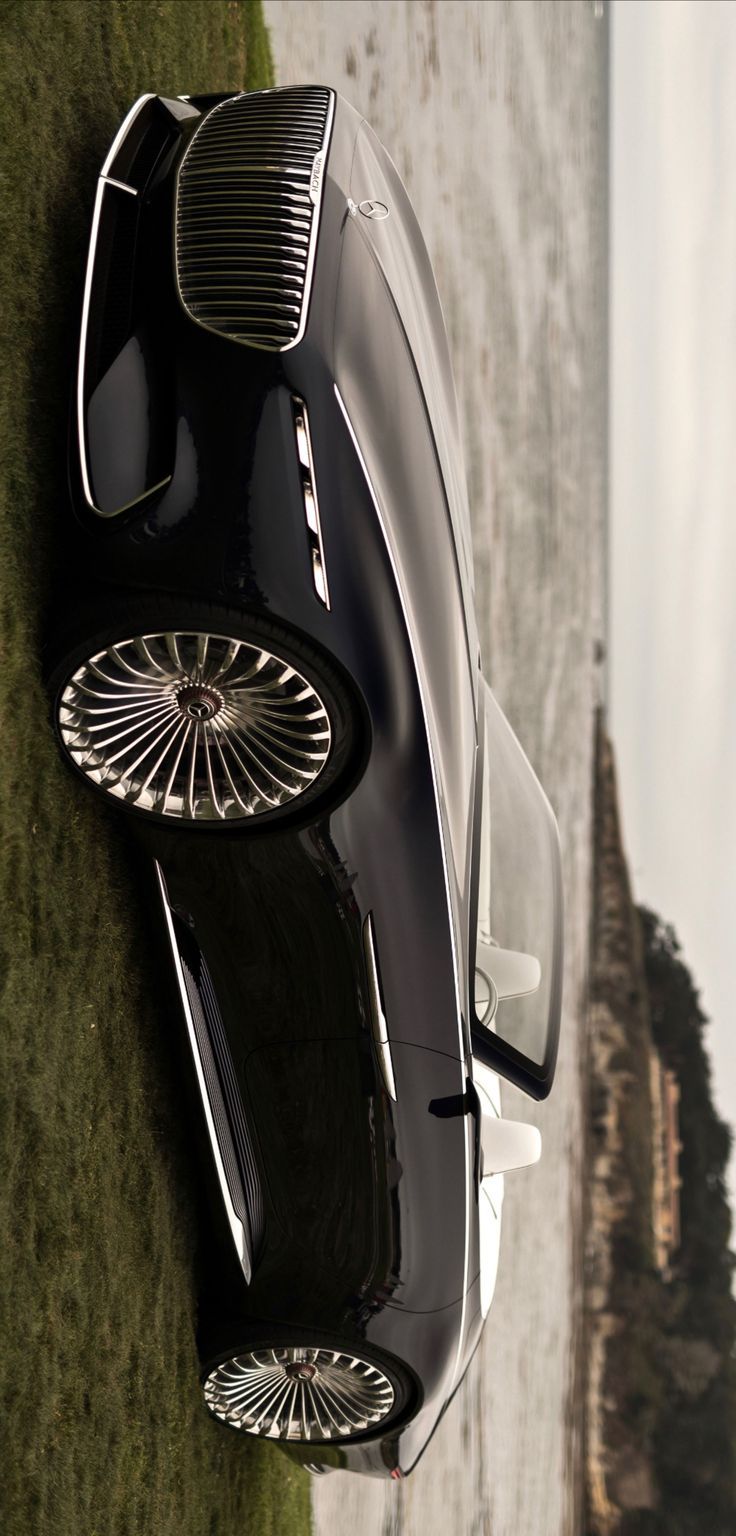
x=370 y=1205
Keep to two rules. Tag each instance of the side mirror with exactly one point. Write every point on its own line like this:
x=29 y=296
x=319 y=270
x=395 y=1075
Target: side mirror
x=513 y=973
x=508 y=1144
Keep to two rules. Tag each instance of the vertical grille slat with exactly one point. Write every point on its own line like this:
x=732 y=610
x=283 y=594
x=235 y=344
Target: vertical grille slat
x=247 y=215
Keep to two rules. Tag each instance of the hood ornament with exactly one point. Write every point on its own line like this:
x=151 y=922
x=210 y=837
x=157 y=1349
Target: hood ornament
x=372 y=209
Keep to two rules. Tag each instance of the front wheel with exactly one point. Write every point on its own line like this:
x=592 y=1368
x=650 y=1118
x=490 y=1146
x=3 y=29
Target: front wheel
x=304 y=1394
x=203 y=717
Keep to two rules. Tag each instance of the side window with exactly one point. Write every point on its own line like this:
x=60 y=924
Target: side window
x=518 y=932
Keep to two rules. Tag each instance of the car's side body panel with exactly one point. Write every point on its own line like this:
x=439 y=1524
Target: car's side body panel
x=279 y=923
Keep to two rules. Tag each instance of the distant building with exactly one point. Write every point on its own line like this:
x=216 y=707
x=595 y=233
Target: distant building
x=666 y=1149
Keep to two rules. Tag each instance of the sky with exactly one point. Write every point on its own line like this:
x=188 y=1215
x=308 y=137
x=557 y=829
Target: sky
x=673 y=482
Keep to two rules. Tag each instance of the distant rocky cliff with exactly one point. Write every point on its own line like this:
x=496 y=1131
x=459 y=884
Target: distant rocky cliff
x=618 y=1466
x=660 y=1315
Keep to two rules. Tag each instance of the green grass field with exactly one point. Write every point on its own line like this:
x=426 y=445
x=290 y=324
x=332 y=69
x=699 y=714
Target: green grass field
x=101 y=1419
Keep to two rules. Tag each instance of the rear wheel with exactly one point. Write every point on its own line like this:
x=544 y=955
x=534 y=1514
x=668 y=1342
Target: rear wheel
x=304 y=1394
x=202 y=717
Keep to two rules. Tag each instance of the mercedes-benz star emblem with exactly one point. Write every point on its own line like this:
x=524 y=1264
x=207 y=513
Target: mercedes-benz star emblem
x=373 y=209
x=199 y=702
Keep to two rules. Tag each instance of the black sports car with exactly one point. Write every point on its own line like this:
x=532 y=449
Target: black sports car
x=268 y=660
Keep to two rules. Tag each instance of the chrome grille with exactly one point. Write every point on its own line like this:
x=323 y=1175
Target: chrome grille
x=247 y=214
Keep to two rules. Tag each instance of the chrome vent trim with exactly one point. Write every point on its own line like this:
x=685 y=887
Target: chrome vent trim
x=309 y=497
x=122 y=186
x=237 y=1121
x=248 y=197
x=216 y=1100
x=124 y=130
x=212 y=1103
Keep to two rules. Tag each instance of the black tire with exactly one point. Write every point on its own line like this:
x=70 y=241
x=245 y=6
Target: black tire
x=346 y=733
x=384 y=1378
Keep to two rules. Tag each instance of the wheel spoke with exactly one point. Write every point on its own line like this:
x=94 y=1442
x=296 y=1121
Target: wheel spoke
x=226 y=663
x=230 y=780
x=191 y=776
x=172 y=646
x=120 y=682
x=177 y=729
x=267 y=736
x=258 y=792
x=252 y=737
x=203 y=643
x=175 y=767
x=168 y=736
x=286 y=729
x=210 y=776
x=248 y=746
x=113 y=700
x=140 y=715
x=113 y=757
x=144 y=670
x=146 y=655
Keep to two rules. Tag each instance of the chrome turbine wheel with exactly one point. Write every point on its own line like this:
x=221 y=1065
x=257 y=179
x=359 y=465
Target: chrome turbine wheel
x=299 y=1394
x=195 y=726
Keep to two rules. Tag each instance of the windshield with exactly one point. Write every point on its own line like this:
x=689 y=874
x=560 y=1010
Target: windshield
x=519 y=909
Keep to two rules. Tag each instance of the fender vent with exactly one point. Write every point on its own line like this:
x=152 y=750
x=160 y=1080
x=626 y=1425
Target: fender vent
x=247 y=214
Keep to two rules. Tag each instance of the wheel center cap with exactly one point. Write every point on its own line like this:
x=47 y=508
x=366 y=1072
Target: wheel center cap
x=199 y=702
x=300 y=1370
